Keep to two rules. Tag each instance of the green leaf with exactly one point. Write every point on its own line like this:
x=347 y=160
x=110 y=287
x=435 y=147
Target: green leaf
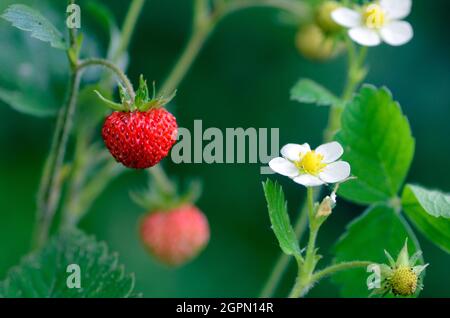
x=26 y=104
x=279 y=218
x=430 y=212
x=44 y=273
x=378 y=145
x=309 y=92
x=366 y=238
x=28 y=19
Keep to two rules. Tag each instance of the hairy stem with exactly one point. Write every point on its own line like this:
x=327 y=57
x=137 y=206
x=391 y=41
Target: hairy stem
x=330 y=270
x=112 y=67
x=302 y=287
x=307 y=268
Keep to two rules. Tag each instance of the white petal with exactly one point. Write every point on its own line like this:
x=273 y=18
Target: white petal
x=397 y=33
x=308 y=180
x=364 y=36
x=284 y=167
x=335 y=172
x=331 y=151
x=346 y=17
x=292 y=151
x=396 y=9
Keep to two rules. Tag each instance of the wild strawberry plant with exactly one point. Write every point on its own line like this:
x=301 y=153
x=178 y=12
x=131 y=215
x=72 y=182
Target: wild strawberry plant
x=367 y=152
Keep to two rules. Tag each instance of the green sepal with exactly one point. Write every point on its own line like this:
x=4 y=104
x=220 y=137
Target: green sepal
x=111 y=104
x=142 y=96
x=143 y=102
x=123 y=93
x=403 y=257
x=156 y=102
x=165 y=197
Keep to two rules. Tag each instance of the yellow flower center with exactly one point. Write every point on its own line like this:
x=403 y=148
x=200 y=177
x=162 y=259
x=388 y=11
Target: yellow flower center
x=374 y=16
x=311 y=163
x=403 y=281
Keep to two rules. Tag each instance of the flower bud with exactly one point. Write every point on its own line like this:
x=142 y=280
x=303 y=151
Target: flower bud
x=323 y=16
x=326 y=206
x=313 y=44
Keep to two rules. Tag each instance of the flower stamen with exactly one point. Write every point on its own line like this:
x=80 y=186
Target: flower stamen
x=311 y=163
x=374 y=16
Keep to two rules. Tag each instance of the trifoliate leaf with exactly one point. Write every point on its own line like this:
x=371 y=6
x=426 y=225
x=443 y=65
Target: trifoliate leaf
x=45 y=273
x=430 y=212
x=380 y=228
x=378 y=145
x=309 y=92
x=279 y=218
x=29 y=19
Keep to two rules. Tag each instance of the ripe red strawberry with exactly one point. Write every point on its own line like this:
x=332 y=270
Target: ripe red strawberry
x=140 y=139
x=177 y=235
x=140 y=133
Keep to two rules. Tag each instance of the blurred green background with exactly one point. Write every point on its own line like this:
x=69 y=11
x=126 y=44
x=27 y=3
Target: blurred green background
x=241 y=79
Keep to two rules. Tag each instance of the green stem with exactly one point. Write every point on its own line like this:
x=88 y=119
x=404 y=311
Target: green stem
x=161 y=179
x=77 y=178
x=203 y=25
x=300 y=9
x=50 y=192
x=283 y=260
x=76 y=210
x=275 y=276
x=306 y=269
x=330 y=270
x=355 y=76
x=128 y=28
x=302 y=287
x=112 y=67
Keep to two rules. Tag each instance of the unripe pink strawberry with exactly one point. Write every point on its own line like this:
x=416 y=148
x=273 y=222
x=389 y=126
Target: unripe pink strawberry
x=177 y=235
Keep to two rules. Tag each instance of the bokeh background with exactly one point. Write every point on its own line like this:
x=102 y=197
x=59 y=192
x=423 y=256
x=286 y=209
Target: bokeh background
x=241 y=79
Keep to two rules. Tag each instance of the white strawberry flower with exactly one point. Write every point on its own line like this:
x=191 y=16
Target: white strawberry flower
x=376 y=22
x=312 y=167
